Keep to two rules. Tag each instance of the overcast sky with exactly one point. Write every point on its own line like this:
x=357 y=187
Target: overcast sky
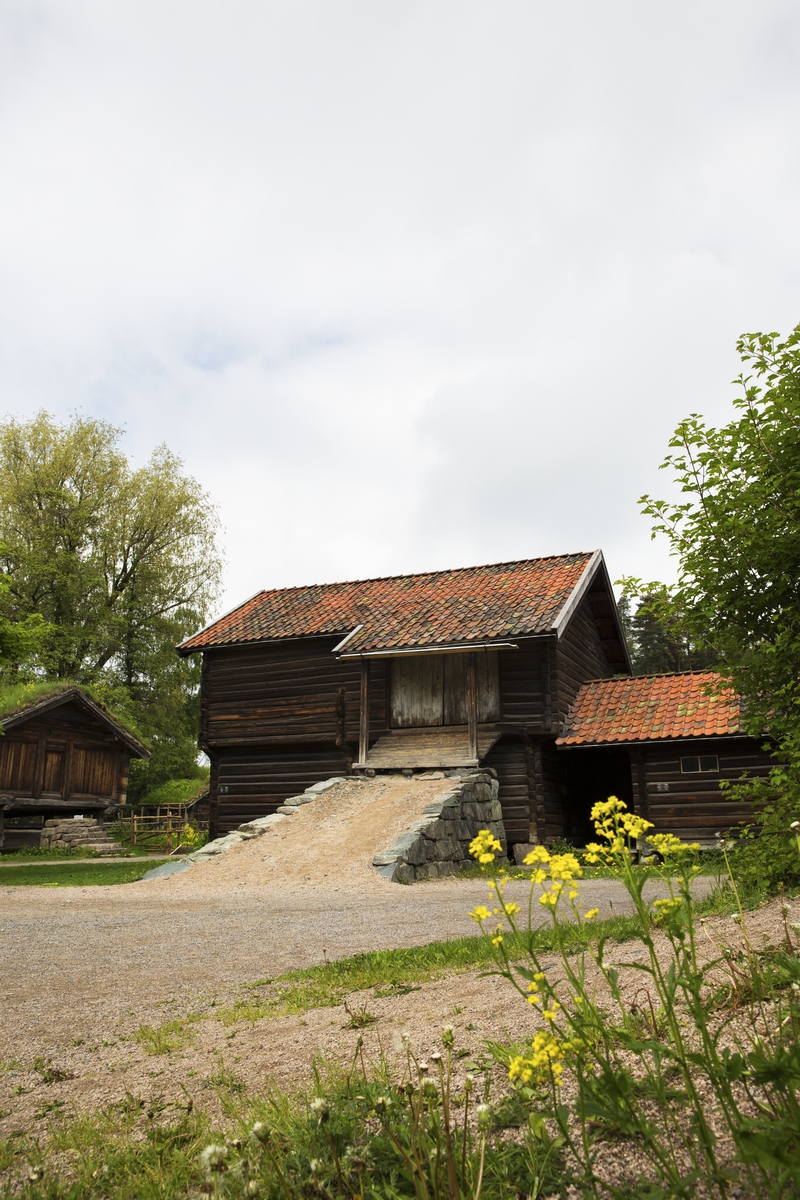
x=407 y=285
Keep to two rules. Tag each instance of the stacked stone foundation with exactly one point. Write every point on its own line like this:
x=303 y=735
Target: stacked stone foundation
x=438 y=844
x=78 y=833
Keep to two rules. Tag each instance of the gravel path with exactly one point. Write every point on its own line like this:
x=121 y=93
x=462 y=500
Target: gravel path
x=76 y=961
x=73 y=958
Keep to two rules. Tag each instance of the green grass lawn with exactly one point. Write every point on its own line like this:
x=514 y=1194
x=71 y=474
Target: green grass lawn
x=72 y=874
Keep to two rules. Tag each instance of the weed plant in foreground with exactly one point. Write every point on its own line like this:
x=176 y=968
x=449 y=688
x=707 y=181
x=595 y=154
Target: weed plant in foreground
x=424 y=1130
x=699 y=1073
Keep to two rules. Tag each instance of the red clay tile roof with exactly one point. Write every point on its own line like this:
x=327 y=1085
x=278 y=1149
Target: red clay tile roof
x=644 y=708
x=439 y=608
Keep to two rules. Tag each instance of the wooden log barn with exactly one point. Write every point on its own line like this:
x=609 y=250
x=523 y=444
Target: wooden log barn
x=447 y=669
x=662 y=743
x=61 y=754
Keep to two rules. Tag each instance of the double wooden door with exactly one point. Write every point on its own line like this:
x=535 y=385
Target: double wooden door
x=431 y=689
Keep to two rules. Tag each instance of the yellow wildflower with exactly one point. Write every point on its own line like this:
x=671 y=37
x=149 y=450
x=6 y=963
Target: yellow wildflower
x=664 y=909
x=537 y=855
x=591 y=914
x=480 y=913
x=543 y=1061
x=606 y=808
x=497 y=940
x=484 y=846
x=565 y=866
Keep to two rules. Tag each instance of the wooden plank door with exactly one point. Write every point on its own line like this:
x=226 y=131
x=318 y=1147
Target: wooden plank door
x=417 y=691
x=53 y=781
x=431 y=689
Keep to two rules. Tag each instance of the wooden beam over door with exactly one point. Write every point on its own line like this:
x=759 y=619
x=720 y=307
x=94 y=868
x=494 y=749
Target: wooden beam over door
x=363 y=724
x=472 y=706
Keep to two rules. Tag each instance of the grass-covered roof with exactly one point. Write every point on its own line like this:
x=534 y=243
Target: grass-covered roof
x=19 y=699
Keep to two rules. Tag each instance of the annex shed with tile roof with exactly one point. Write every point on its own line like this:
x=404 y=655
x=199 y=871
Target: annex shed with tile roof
x=664 y=743
x=443 y=669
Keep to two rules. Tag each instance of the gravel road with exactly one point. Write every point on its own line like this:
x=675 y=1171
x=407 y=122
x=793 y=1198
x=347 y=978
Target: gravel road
x=77 y=959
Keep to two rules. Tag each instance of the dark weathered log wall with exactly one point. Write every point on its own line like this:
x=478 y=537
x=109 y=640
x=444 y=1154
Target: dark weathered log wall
x=555 y=822
x=581 y=656
x=508 y=758
x=284 y=693
x=252 y=782
x=525 y=685
x=62 y=755
x=692 y=806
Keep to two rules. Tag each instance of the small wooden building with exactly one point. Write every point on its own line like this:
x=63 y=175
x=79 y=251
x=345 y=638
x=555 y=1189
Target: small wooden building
x=445 y=669
x=662 y=743
x=60 y=755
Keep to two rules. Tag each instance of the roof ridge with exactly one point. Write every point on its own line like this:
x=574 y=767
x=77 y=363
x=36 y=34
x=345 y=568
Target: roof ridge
x=514 y=562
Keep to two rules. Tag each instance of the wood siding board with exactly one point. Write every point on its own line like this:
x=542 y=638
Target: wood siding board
x=454 y=699
x=507 y=757
x=363 y=710
x=272 y=776
x=472 y=706
x=520 y=678
x=69 y=756
x=38 y=774
x=692 y=805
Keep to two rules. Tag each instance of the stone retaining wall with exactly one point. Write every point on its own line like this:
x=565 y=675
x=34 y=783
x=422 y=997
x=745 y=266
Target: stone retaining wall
x=438 y=843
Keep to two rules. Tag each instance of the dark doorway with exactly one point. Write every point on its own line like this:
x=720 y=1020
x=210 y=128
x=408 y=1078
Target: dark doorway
x=591 y=775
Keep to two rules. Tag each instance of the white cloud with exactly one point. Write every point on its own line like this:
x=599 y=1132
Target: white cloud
x=406 y=285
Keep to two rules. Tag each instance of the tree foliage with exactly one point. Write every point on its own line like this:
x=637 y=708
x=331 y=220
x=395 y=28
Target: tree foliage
x=736 y=538
x=19 y=640
x=658 y=641
x=120 y=563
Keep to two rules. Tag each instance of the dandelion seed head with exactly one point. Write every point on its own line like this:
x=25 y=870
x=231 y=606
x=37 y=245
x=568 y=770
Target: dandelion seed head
x=212 y=1159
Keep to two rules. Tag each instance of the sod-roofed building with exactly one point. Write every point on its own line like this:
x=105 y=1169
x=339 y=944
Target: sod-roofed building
x=446 y=669
x=662 y=743
x=61 y=753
